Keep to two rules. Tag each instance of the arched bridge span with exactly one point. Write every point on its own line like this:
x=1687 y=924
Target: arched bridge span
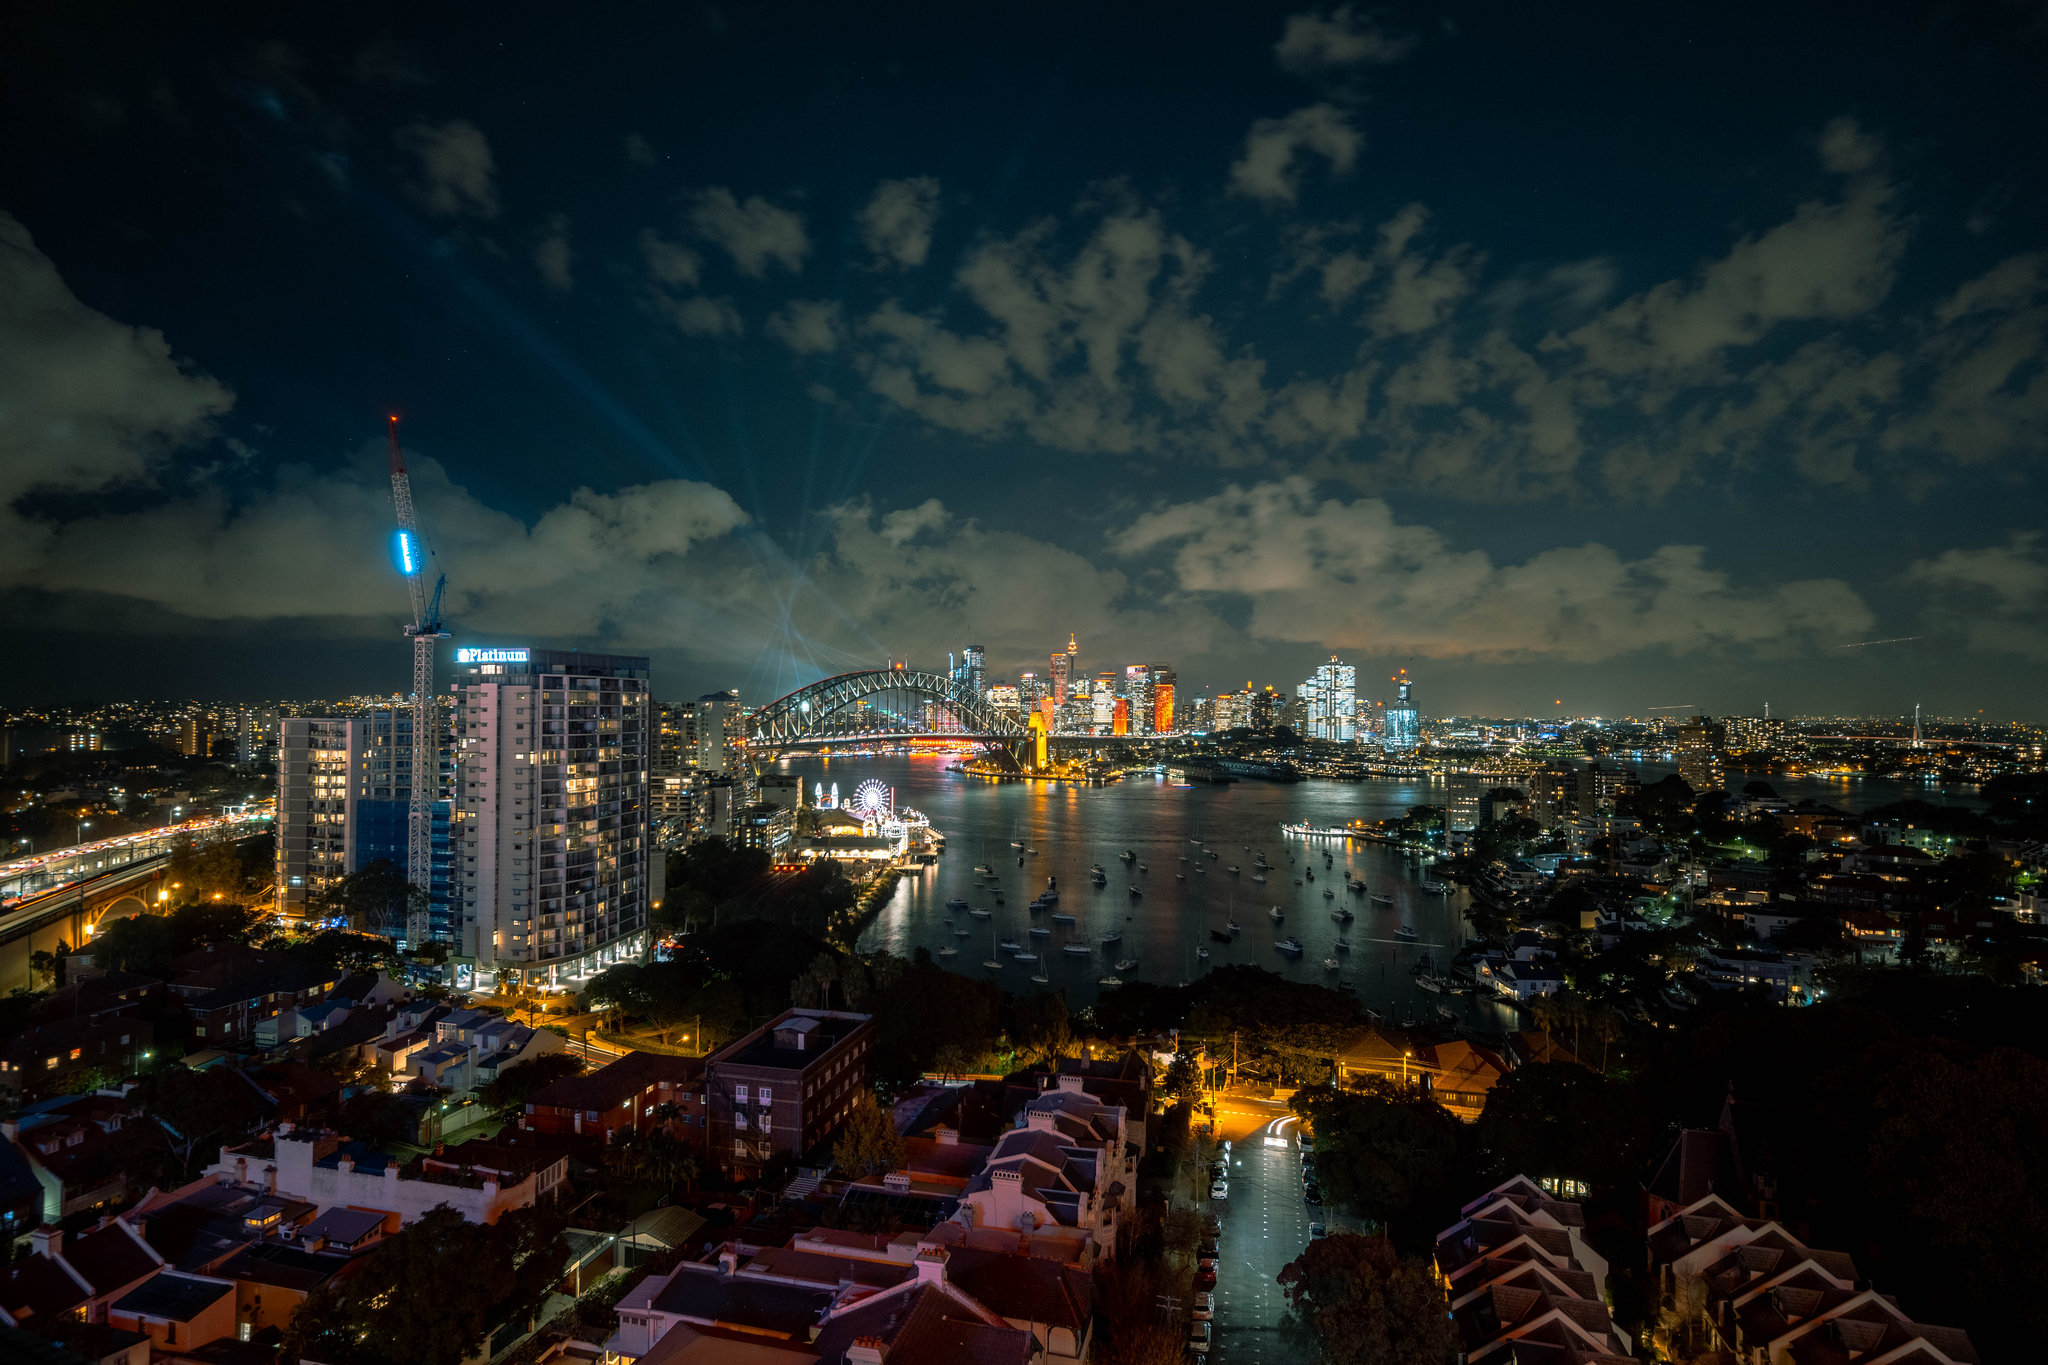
x=879 y=705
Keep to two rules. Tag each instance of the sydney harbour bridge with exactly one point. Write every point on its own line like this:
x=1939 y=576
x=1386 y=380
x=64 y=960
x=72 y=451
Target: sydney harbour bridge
x=892 y=705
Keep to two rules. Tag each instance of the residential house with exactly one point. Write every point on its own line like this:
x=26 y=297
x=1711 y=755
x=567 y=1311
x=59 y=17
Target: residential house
x=1523 y=1283
x=177 y=1311
x=784 y=1089
x=64 y=1056
x=479 y=1180
x=69 y=1146
x=1751 y=1289
x=1067 y=1172
x=626 y=1094
x=227 y=989
x=75 y=1277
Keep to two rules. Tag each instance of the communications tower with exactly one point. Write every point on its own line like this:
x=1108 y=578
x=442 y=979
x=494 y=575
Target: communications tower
x=410 y=553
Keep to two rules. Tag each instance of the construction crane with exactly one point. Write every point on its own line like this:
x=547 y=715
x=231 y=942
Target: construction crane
x=409 y=551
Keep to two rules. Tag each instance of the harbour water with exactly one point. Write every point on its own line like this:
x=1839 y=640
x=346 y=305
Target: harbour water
x=1070 y=828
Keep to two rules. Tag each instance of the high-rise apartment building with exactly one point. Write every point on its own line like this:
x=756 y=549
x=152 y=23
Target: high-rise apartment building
x=1163 y=684
x=195 y=735
x=669 y=770
x=1599 y=788
x=551 y=831
x=716 y=712
x=318 y=763
x=1553 y=795
x=255 y=736
x=1402 y=732
x=1698 y=745
x=1138 y=693
x=1754 y=734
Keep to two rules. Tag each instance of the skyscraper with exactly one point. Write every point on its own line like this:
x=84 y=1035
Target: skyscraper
x=551 y=826
x=974 y=672
x=319 y=761
x=1403 y=729
x=1138 y=693
x=1060 y=672
x=1163 y=683
x=1330 y=700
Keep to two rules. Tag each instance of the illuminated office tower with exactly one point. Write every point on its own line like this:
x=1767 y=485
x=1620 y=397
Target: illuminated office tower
x=1031 y=690
x=1403 y=728
x=974 y=672
x=1007 y=699
x=1163 y=682
x=1104 y=710
x=1059 y=673
x=1754 y=734
x=1138 y=696
x=551 y=828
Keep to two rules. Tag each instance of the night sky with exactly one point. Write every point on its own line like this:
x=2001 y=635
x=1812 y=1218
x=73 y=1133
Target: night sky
x=1627 y=355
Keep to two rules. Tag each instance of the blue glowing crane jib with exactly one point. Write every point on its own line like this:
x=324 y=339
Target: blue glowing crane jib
x=407 y=554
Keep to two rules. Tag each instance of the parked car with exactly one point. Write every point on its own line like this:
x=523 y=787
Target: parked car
x=1198 y=1338
x=1308 y=1144
x=1206 y=1263
x=1313 y=1194
x=1205 y=1279
x=1220 y=1190
x=1205 y=1307
x=1316 y=1230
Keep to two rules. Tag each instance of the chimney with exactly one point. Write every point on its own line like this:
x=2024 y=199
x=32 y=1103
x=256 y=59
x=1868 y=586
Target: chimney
x=729 y=1259
x=867 y=1351
x=931 y=1267
x=47 y=1241
x=948 y=1137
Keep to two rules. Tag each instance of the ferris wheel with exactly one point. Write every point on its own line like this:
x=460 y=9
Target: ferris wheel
x=871 y=799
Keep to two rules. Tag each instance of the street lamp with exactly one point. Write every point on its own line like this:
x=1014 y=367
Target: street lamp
x=83 y=826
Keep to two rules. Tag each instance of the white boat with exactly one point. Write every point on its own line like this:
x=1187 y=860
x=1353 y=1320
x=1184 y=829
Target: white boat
x=1232 y=869
x=1276 y=914
x=1113 y=936
x=1257 y=878
x=1234 y=927
x=949 y=951
x=1328 y=894
x=984 y=870
x=993 y=965
x=1040 y=931
x=1062 y=917
x=1041 y=978
x=1378 y=899
x=1016 y=843
x=1343 y=945
x=1136 y=894
x=1078 y=950
x=1330 y=964
x=959 y=933
x=1406 y=933
x=1024 y=957
x=956 y=904
x=1109 y=981
x=1010 y=945
x=1124 y=964
x=980 y=913
x=1290 y=946
x=1202 y=953
x=1437 y=888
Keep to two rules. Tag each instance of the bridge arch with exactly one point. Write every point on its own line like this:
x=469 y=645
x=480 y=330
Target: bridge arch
x=125 y=907
x=879 y=703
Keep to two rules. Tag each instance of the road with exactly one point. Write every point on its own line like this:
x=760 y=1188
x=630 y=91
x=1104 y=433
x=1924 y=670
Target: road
x=1265 y=1225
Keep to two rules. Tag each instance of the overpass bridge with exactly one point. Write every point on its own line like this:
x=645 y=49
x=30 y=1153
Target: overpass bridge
x=58 y=900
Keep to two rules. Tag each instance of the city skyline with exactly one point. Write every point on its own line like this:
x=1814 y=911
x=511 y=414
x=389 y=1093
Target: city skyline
x=1258 y=377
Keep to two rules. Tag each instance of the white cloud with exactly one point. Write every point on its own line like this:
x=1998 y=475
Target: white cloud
x=1350 y=576
x=85 y=401
x=755 y=233
x=670 y=263
x=1270 y=167
x=551 y=255
x=456 y=174
x=702 y=316
x=897 y=222
x=1996 y=596
x=807 y=326
x=1316 y=42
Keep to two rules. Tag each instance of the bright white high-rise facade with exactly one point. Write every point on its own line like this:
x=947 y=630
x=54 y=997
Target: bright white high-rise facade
x=551 y=829
x=1330 y=700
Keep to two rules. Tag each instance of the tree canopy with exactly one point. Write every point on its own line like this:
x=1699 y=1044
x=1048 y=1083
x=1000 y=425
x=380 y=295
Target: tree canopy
x=1353 y=1301
x=1388 y=1154
x=432 y=1294
x=868 y=1143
